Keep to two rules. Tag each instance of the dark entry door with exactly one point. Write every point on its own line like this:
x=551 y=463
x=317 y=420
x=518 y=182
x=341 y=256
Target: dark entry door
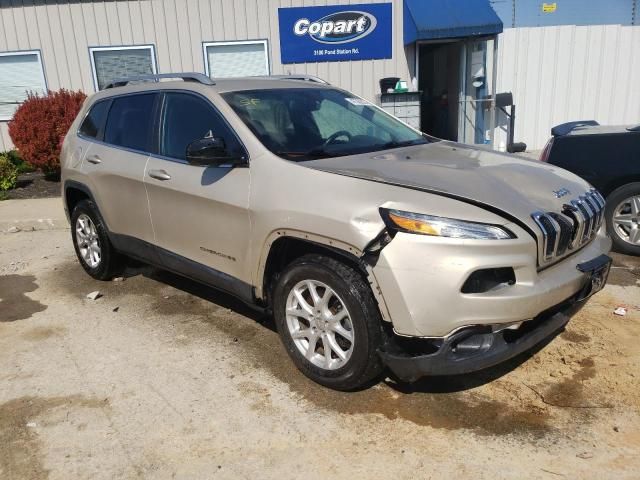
x=439 y=81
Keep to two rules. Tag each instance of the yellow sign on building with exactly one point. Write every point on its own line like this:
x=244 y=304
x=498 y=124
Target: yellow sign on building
x=549 y=7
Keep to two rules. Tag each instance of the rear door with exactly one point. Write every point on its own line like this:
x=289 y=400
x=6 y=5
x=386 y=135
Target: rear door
x=199 y=213
x=115 y=164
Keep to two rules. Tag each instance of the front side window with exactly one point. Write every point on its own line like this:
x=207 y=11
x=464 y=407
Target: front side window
x=187 y=118
x=93 y=124
x=310 y=123
x=112 y=63
x=20 y=74
x=130 y=121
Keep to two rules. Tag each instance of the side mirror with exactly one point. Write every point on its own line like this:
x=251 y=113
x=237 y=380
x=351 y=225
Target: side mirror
x=209 y=151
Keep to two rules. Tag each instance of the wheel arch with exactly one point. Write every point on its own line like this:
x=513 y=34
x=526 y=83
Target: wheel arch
x=618 y=182
x=283 y=246
x=75 y=192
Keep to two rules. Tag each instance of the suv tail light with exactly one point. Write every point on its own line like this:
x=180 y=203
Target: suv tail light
x=544 y=156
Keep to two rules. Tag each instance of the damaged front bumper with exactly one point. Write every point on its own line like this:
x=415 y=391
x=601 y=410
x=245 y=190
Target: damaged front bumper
x=478 y=347
x=423 y=281
x=467 y=350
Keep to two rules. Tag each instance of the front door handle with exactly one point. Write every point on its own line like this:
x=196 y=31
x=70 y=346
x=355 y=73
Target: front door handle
x=95 y=159
x=159 y=175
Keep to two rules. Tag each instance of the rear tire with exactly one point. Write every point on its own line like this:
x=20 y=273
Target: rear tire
x=623 y=218
x=337 y=335
x=91 y=242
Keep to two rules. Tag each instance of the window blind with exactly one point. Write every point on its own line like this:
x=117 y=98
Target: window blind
x=237 y=60
x=113 y=64
x=20 y=73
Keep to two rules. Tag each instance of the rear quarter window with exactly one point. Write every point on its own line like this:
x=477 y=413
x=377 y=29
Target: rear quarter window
x=93 y=124
x=130 y=121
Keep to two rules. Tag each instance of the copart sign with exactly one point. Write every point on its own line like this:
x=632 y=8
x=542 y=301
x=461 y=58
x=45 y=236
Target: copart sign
x=335 y=33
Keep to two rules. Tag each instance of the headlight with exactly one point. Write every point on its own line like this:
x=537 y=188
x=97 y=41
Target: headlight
x=442 y=227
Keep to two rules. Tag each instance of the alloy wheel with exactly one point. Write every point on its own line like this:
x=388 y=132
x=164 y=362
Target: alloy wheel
x=88 y=241
x=319 y=324
x=626 y=220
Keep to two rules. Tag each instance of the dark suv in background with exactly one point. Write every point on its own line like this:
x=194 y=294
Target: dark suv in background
x=608 y=157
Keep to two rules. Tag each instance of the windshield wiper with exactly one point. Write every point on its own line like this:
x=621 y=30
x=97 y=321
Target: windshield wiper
x=405 y=143
x=312 y=154
x=319 y=152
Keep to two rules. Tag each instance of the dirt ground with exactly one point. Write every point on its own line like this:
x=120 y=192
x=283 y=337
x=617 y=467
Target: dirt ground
x=162 y=378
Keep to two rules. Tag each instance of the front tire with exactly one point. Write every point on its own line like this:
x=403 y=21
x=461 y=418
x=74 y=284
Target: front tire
x=91 y=242
x=329 y=322
x=623 y=218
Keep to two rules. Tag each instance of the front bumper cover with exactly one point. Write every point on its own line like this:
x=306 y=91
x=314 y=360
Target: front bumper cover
x=468 y=350
x=421 y=278
x=479 y=347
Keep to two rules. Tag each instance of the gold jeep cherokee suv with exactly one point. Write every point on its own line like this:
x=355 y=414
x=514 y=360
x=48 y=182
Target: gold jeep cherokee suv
x=373 y=245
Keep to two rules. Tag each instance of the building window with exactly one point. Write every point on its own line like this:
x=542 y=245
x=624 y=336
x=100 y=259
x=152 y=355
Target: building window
x=236 y=59
x=20 y=73
x=111 y=63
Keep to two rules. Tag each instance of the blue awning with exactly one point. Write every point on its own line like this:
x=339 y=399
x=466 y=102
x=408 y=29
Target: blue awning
x=435 y=19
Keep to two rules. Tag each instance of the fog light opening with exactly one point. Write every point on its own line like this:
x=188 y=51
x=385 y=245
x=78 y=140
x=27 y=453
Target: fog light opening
x=476 y=343
x=487 y=279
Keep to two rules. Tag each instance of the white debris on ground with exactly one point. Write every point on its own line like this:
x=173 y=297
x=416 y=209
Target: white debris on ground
x=620 y=311
x=94 y=295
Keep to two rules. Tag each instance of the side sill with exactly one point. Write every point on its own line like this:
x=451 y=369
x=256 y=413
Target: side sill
x=182 y=266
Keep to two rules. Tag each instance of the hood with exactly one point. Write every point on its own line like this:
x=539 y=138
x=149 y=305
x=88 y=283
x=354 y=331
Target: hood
x=513 y=186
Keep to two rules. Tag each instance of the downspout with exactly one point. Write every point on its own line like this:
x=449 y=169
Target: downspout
x=494 y=78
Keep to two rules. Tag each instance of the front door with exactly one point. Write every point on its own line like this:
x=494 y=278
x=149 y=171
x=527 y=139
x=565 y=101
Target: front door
x=198 y=213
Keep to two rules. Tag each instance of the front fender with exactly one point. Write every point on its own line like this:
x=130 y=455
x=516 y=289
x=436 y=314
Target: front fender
x=336 y=246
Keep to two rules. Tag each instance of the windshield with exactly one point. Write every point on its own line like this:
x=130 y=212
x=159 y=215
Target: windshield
x=310 y=123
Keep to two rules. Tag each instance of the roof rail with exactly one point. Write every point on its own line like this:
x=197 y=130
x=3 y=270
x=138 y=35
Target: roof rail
x=156 y=77
x=306 y=78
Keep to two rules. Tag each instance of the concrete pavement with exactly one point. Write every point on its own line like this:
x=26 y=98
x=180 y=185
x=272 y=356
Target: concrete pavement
x=35 y=214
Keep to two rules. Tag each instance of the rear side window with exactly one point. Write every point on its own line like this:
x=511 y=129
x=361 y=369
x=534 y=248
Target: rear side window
x=130 y=121
x=188 y=118
x=93 y=124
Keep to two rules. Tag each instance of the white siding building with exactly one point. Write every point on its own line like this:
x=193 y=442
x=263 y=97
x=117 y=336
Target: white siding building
x=556 y=73
x=563 y=73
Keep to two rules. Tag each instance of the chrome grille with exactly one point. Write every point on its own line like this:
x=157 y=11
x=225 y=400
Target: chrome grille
x=570 y=229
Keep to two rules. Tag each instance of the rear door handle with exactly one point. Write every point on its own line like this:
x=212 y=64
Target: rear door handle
x=159 y=175
x=95 y=159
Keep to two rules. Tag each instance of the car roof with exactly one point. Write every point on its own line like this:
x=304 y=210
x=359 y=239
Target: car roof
x=219 y=85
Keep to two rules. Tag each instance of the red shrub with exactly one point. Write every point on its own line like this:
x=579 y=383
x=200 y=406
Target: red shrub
x=40 y=124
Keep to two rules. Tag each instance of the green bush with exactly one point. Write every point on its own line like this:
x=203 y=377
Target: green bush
x=16 y=159
x=8 y=173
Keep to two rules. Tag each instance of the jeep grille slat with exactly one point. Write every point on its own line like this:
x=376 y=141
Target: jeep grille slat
x=596 y=213
x=570 y=229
